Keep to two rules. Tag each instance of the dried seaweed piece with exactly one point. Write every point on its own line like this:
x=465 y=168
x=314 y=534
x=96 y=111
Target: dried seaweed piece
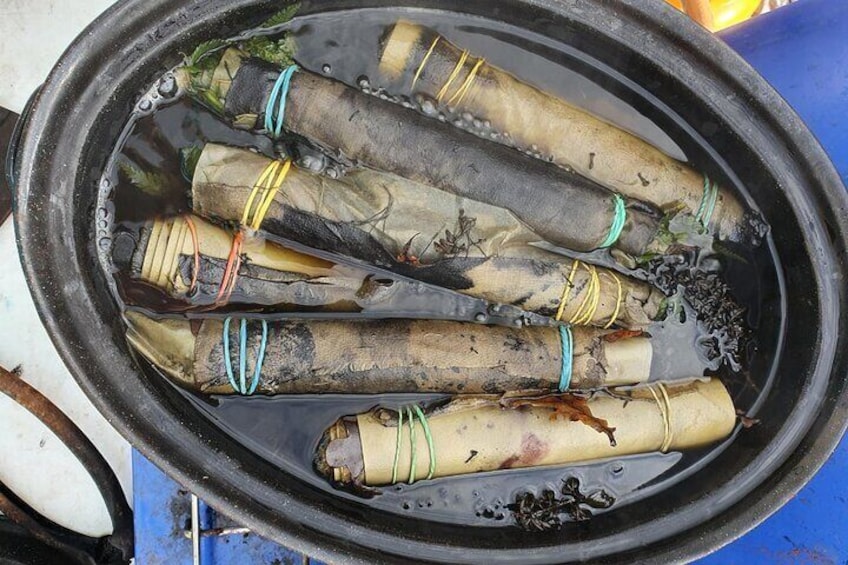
x=567 y=406
x=544 y=512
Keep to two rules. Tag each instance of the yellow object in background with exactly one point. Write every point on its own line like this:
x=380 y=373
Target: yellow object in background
x=727 y=12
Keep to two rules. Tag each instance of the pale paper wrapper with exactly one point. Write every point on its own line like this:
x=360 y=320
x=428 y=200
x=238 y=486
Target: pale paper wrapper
x=576 y=139
x=699 y=413
x=171 y=239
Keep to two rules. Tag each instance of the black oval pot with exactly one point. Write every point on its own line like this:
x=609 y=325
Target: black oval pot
x=78 y=115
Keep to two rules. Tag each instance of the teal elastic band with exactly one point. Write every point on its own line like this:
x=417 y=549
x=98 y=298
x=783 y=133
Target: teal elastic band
x=567 y=341
x=708 y=202
x=617 y=223
x=240 y=386
x=275 y=110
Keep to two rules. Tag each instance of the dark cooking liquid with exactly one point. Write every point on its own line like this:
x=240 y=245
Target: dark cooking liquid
x=286 y=430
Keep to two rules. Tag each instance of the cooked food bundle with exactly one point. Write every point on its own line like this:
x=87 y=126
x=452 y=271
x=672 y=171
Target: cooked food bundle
x=372 y=357
x=425 y=262
x=474 y=434
x=416 y=60
x=373 y=217
x=564 y=208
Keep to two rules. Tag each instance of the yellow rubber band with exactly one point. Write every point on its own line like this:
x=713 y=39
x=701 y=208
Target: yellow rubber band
x=424 y=63
x=617 y=302
x=263 y=178
x=664 y=406
x=266 y=188
x=566 y=291
x=272 y=192
x=459 y=65
x=591 y=301
x=466 y=86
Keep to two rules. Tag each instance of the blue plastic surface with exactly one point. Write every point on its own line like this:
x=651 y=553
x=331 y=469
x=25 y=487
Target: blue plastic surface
x=802 y=50
x=163 y=516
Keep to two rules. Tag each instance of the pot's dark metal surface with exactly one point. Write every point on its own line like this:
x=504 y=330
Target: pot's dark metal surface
x=717 y=97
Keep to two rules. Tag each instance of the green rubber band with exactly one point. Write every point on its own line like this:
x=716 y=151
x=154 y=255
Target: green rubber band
x=412 y=450
x=708 y=202
x=429 y=437
x=397 y=445
x=618 y=222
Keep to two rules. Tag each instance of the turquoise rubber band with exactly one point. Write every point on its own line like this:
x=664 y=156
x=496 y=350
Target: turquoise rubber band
x=240 y=386
x=227 y=361
x=567 y=341
x=274 y=119
x=260 y=359
x=242 y=355
x=618 y=222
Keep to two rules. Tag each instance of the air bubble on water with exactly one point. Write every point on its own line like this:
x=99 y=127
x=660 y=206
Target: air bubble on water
x=103 y=224
x=477 y=123
x=167 y=86
x=104 y=243
x=480 y=317
x=145 y=105
x=102 y=213
x=442 y=118
x=467 y=117
x=327 y=69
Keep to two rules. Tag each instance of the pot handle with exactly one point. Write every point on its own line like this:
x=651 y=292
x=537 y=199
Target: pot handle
x=14 y=141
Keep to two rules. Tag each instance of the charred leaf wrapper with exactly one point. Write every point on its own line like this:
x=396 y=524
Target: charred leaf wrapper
x=564 y=208
x=417 y=61
x=373 y=217
x=389 y=356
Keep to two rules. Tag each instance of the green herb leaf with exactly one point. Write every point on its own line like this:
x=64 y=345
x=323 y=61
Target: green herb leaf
x=283 y=16
x=204 y=49
x=189 y=156
x=280 y=52
x=150 y=183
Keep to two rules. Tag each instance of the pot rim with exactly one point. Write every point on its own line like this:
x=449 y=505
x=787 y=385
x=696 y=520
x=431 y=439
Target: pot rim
x=64 y=301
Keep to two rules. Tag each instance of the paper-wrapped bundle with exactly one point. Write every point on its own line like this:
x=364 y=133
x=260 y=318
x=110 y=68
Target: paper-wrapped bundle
x=561 y=207
x=470 y=435
x=398 y=356
x=473 y=248
x=416 y=60
x=193 y=261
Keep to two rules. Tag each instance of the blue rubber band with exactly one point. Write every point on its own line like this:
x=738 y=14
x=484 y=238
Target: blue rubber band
x=567 y=341
x=274 y=119
x=617 y=222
